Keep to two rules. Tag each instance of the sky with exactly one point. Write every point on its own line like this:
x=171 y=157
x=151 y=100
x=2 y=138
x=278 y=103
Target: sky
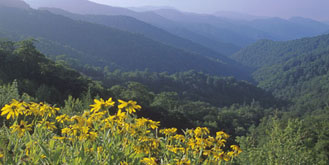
x=315 y=9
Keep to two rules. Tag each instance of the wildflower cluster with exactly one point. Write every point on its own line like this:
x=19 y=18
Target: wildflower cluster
x=104 y=135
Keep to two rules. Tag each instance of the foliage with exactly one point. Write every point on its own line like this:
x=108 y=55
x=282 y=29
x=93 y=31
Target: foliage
x=36 y=75
x=292 y=141
x=293 y=70
x=103 y=135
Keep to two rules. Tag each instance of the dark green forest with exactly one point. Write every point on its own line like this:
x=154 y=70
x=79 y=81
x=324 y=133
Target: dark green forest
x=184 y=100
x=272 y=97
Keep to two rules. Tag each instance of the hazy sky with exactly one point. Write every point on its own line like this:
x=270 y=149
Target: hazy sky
x=316 y=9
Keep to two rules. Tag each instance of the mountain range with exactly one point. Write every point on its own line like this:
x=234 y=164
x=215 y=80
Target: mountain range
x=216 y=32
x=133 y=25
x=104 y=46
x=112 y=38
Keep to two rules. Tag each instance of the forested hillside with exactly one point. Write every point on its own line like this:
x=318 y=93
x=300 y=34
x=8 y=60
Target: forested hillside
x=106 y=46
x=182 y=100
x=38 y=76
x=295 y=69
x=133 y=25
x=220 y=34
x=267 y=52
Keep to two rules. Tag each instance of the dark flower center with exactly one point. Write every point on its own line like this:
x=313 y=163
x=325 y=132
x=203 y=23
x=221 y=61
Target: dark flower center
x=22 y=126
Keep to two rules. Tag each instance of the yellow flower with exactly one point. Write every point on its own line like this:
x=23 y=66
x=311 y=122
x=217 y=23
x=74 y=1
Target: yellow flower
x=43 y=156
x=121 y=115
x=96 y=116
x=123 y=163
x=62 y=118
x=109 y=103
x=31 y=108
x=206 y=152
x=179 y=138
x=191 y=143
x=130 y=106
x=98 y=105
x=101 y=104
x=92 y=135
x=58 y=138
x=168 y=131
x=153 y=124
x=67 y=131
x=198 y=132
x=13 y=110
x=176 y=149
x=149 y=161
x=183 y=161
x=48 y=125
x=99 y=149
x=222 y=135
x=46 y=109
x=236 y=149
x=21 y=128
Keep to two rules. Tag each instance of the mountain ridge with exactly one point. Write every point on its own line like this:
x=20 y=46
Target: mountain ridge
x=110 y=46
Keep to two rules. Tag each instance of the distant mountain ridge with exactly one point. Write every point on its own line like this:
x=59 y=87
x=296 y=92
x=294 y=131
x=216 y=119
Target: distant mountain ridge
x=206 y=30
x=106 y=46
x=14 y=3
x=87 y=7
x=133 y=25
x=294 y=28
x=236 y=15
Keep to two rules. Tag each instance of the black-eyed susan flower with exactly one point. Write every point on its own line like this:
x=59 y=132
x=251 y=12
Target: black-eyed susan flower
x=168 y=131
x=236 y=150
x=47 y=125
x=62 y=118
x=130 y=106
x=21 y=128
x=201 y=131
x=222 y=135
x=12 y=110
x=101 y=104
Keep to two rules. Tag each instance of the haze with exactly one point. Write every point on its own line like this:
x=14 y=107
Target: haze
x=315 y=9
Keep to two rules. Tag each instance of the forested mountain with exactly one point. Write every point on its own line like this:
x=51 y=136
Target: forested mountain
x=195 y=86
x=38 y=76
x=267 y=52
x=295 y=69
x=165 y=97
x=217 y=33
x=106 y=46
x=293 y=28
x=133 y=25
x=247 y=31
x=214 y=28
x=88 y=7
